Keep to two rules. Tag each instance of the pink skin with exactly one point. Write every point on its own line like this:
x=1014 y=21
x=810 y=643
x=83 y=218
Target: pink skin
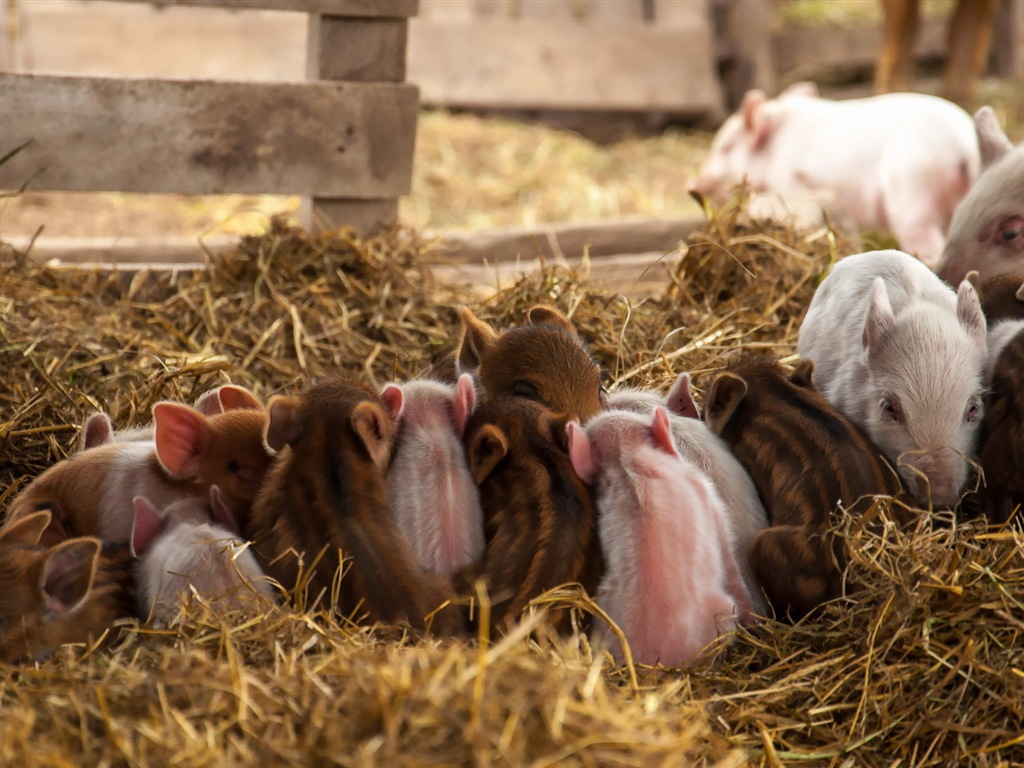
x=431 y=492
x=180 y=553
x=900 y=162
x=671 y=581
x=987 y=231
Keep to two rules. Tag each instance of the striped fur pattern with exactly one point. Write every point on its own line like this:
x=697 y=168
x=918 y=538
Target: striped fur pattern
x=1002 y=431
x=325 y=499
x=540 y=521
x=805 y=458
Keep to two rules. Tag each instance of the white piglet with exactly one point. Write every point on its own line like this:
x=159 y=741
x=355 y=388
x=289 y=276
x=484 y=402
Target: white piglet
x=430 y=489
x=902 y=354
x=899 y=162
x=671 y=581
x=699 y=445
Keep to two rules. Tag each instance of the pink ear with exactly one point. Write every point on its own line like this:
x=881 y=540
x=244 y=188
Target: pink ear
x=680 y=399
x=146 y=526
x=880 y=316
x=233 y=398
x=393 y=399
x=209 y=403
x=97 y=431
x=754 y=120
x=661 y=431
x=462 y=403
x=182 y=438
x=580 y=452
x=223 y=514
x=68 y=574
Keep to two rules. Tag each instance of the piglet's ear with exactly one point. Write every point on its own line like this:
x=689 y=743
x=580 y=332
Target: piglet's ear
x=545 y=314
x=755 y=121
x=1019 y=295
x=991 y=140
x=223 y=512
x=284 y=426
x=373 y=428
x=98 y=430
x=486 y=447
x=580 y=452
x=462 y=403
x=183 y=437
x=803 y=374
x=233 y=397
x=968 y=311
x=27 y=530
x=661 y=431
x=146 y=526
x=477 y=338
x=680 y=398
x=68 y=572
x=393 y=399
x=879 y=318
x=727 y=391
x=209 y=403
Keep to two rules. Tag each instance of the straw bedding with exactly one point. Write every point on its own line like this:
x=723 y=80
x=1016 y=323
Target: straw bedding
x=920 y=665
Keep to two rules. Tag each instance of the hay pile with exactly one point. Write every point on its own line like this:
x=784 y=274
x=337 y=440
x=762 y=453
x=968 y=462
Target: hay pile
x=923 y=666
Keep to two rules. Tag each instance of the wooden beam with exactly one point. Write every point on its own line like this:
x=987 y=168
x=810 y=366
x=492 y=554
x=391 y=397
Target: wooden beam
x=193 y=137
x=364 y=50
x=356 y=8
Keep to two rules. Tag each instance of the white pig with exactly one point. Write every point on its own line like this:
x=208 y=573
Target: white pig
x=698 y=444
x=671 y=581
x=899 y=162
x=901 y=354
x=430 y=489
x=987 y=231
x=182 y=551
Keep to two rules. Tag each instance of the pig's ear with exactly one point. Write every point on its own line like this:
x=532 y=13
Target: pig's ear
x=98 y=430
x=804 y=88
x=146 y=526
x=223 y=512
x=183 y=437
x=991 y=140
x=727 y=391
x=680 y=400
x=209 y=403
x=754 y=121
x=26 y=531
x=373 y=428
x=462 y=403
x=486 y=448
x=879 y=317
x=544 y=314
x=968 y=312
x=803 y=374
x=233 y=397
x=477 y=338
x=1019 y=295
x=68 y=572
x=580 y=452
x=661 y=431
x=393 y=399
x=284 y=426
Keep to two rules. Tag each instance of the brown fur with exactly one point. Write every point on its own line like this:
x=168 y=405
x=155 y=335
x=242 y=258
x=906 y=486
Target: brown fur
x=100 y=590
x=1002 y=435
x=999 y=298
x=544 y=360
x=803 y=456
x=327 y=493
x=540 y=522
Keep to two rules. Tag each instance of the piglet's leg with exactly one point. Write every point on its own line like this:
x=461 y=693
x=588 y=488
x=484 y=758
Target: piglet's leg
x=796 y=567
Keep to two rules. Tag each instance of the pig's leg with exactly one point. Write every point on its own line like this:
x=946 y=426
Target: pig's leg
x=916 y=209
x=795 y=565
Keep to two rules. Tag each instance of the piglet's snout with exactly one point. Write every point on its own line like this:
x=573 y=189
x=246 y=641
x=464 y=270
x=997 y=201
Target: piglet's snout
x=937 y=474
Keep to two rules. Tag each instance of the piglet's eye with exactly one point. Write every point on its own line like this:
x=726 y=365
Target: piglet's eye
x=973 y=412
x=1009 y=234
x=526 y=389
x=890 y=410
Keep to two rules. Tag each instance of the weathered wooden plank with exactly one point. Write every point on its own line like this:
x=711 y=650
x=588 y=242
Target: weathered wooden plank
x=526 y=64
x=324 y=213
x=352 y=140
x=1008 y=40
x=365 y=50
x=357 y=8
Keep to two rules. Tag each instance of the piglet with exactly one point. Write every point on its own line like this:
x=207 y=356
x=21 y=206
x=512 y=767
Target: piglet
x=901 y=354
x=671 y=579
x=899 y=162
x=72 y=592
x=91 y=492
x=430 y=490
x=182 y=552
x=805 y=458
x=326 y=499
x=703 y=448
x=987 y=230
x=543 y=360
x=1002 y=298
x=540 y=523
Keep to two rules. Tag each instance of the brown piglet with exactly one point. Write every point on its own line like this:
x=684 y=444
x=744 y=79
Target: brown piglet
x=325 y=499
x=805 y=459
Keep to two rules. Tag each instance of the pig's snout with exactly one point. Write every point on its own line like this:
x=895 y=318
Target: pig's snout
x=936 y=475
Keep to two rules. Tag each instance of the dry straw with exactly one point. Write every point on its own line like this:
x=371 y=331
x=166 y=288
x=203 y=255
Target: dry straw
x=920 y=665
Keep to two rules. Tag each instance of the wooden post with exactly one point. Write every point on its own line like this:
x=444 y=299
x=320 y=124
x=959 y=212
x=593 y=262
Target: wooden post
x=1008 y=42
x=370 y=48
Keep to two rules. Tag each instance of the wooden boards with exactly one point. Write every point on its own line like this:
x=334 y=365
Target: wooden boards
x=356 y=8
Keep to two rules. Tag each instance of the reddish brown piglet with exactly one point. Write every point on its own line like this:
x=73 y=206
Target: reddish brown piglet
x=1002 y=298
x=805 y=459
x=540 y=521
x=69 y=593
x=544 y=360
x=1002 y=431
x=325 y=499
